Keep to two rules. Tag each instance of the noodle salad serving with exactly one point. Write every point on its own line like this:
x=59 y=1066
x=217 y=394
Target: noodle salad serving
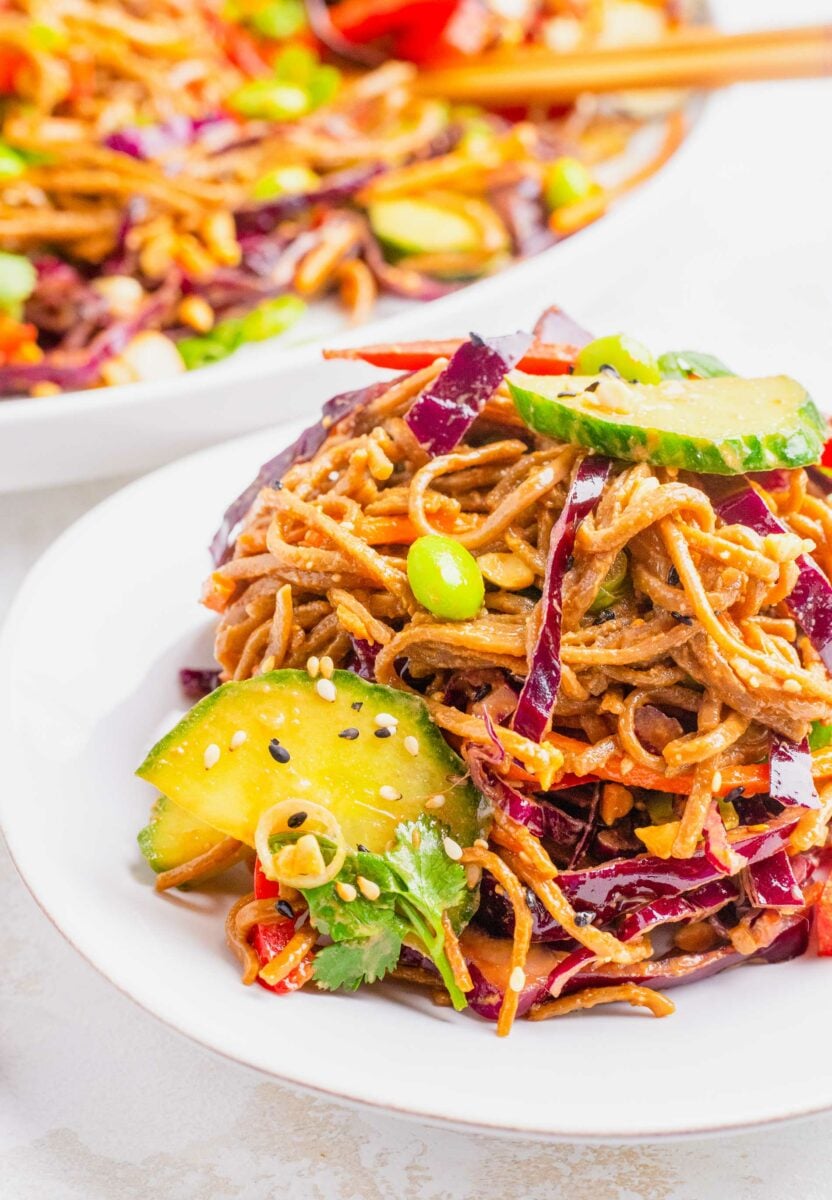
x=524 y=690
x=179 y=178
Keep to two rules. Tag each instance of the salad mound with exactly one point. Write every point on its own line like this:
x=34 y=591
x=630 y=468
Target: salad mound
x=527 y=691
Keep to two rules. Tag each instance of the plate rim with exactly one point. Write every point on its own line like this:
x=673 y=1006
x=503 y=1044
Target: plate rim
x=86 y=946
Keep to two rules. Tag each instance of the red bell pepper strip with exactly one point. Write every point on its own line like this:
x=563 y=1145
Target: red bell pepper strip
x=539 y=359
x=269 y=940
x=419 y=30
x=826 y=457
x=824 y=920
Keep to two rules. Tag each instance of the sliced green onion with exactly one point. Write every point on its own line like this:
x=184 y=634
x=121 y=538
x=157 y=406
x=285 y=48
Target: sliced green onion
x=267 y=320
x=285 y=181
x=12 y=162
x=279 y=20
x=270 y=99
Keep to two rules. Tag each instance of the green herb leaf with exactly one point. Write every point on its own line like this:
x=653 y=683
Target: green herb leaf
x=684 y=364
x=351 y=963
x=267 y=320
x=418 y=883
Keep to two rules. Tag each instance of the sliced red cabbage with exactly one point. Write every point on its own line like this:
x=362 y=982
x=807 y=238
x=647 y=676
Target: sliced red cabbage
x=771 y=883
x=442 y=414
x=334 y=189
x=197 y=682
x=486 y=997
x=811 y=596
x=364 y=655
x=520 y=205
x=301 y=450
x=694 y=906
x=675 y=970
x=791 y=772
x=404 y=281
x=557 y=328
x=148 y=142
x=321 y=24
x=76 y=370
x=541 y=819
x=821 y=477
x=540 y=690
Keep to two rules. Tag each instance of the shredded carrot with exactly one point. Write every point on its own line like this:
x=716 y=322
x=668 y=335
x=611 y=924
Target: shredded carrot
x=628 y=993
x=218 y=591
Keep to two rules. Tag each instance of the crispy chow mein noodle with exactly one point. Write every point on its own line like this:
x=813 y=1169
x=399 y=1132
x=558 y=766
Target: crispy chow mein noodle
x=179 y=178
x=654 y=833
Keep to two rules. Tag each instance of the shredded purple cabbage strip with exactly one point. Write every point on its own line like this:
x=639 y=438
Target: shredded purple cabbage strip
x=791 y=781
x=301 y=450
x=540 y=690
x=811 y=596
x=444 y=412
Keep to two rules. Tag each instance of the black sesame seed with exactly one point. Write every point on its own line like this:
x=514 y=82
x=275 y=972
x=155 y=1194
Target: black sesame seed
x=279 y=753
x=349 y=734
x=582 y=919
x=734 y=794
x=383 y=732
x=357 y=705
x=608 y=369
x=284 y=908
x=682 y=619
x=673 y=577
x=606 y=614
x=362 y=848
x=570 y=562
x=592 y=386
x=296 y=820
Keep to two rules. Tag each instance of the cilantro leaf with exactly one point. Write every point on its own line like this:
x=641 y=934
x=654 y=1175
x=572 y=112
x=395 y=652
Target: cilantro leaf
x=682 y=364
x=418 y=883
x=434 y=881
x=351 y=963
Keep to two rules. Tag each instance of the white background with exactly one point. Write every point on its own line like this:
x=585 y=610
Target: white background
x=730 y=253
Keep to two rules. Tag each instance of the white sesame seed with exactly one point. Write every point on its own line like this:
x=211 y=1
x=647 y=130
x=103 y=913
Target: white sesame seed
x=389 y=793
x=346 y=891
x=326 y=689
x=237 y=739
x=211 y=756
x=327 y=666
x=386 y=720
x=517 y=980
x=435 y=801
x=481 y=843
x=627 y=765
x=416 y=839
x=717 y=781
x=473 y=874
x=754 y=681
x=791 y=685
x=368 y=889
x=452 y=849
x=333 y=477
x=313 y=665
x=411 y=744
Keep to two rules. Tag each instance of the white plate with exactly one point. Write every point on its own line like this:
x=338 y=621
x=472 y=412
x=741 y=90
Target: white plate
x=90 y=655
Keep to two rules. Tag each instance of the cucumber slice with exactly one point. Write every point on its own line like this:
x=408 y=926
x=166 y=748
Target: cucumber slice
x=720 y=426
x=421 y=227
x=174 y=836
x=299 y=745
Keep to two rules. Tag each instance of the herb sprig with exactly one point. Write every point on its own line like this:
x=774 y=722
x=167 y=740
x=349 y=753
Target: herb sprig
x=417 y=882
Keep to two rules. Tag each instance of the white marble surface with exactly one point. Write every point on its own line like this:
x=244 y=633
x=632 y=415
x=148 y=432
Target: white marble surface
x=100 y=1102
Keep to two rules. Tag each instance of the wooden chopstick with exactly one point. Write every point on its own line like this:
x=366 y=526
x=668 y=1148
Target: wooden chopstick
x=689 y=59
